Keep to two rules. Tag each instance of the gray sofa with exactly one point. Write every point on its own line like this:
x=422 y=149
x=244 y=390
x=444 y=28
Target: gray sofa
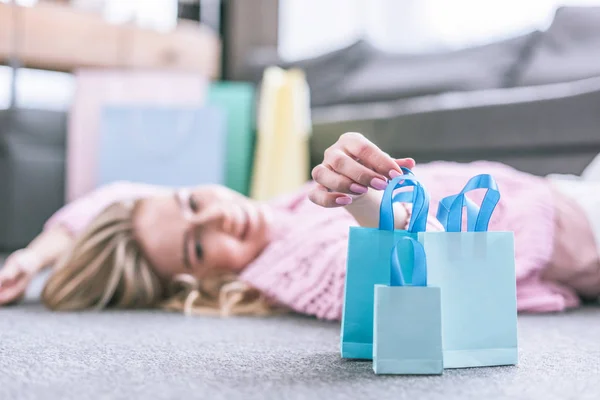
x=531 y=102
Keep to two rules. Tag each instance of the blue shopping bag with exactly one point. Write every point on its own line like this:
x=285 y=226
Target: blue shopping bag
x=169 y=146
x=475 y=271
x=368 y=264
x=407 y=323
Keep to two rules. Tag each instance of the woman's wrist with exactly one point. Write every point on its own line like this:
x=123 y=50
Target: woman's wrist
x=48 y=246
x=365 y=208
x=28 y=261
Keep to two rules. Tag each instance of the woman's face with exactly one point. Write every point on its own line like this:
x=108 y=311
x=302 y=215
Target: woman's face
x=200 y=231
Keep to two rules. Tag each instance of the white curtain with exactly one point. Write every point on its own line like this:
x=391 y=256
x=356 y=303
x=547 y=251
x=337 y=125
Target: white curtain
x=312 y=27
x=154 y=14
x=54 y=90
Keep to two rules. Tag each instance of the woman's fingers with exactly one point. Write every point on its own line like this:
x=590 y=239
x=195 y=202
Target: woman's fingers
x=12 y=292
x=13 y=282
x=354 y=164
x=362 y=149
x=9 y=273
x=321 y=196
x=338 y=182
x=406 y=162
x=15 y=276
x=340 y=162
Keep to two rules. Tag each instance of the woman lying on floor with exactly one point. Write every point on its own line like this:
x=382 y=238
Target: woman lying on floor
x=209 y=250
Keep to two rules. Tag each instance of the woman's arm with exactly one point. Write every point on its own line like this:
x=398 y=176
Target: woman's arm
x=77 y=215
x=49 y=245
x=23 y=265
x=58 y=236
x=365 y=210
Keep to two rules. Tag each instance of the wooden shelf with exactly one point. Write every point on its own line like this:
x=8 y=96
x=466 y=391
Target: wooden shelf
x=59 y=38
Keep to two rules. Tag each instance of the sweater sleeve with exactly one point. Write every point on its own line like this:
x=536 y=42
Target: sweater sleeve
x=305 y=268
x=77 y=215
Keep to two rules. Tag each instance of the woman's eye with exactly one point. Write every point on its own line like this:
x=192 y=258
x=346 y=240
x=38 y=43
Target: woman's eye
x=193 y=204
x=198 y=250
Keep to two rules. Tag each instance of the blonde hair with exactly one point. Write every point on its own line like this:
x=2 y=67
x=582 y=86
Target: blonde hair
x=106 y=268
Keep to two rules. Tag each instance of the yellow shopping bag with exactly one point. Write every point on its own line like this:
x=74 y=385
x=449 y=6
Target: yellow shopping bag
x=281 y=162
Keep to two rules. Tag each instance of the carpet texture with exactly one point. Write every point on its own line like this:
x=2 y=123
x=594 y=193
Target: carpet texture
x=158 y=355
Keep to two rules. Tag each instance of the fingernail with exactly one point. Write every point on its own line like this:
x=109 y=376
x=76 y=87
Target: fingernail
x=343 y=201
x=378 y=184
x=358 y=189
x=393 y=174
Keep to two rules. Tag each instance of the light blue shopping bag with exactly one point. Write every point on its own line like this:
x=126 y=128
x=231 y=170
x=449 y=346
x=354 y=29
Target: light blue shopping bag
x=169 y=146
x=368 y=264
x=475 y=271
x=407 y=323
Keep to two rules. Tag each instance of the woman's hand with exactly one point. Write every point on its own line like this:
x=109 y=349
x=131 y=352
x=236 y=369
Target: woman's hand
x=350 y=167
x=18 y=271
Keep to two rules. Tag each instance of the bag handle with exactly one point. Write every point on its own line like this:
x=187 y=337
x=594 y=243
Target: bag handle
x=419 y=274
x=478 y=217
x=418 y=197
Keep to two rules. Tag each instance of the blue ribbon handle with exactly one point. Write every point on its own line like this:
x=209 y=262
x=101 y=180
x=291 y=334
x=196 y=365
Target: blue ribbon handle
x=419 y=198
x=419 y=274
x=478 y=217
x=405 y=197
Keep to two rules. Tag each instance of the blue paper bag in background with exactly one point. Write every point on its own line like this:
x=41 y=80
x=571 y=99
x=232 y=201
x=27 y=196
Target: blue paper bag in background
x=162 y=146
x=475 y=271
x=407 y=324
x=368 y=264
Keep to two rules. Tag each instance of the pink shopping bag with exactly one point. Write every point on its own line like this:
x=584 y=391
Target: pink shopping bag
x=96 y=89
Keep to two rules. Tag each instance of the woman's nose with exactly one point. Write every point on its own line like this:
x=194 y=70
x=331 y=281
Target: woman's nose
x=210 y=215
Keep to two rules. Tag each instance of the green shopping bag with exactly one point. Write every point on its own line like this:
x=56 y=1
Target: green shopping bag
x=236 y=99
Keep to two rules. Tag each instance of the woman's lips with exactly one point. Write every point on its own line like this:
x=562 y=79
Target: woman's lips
x=257 y=220
x=251 y=221
x=247 y=226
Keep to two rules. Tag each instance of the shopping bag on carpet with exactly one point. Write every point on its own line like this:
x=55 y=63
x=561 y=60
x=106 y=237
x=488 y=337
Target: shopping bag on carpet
x=168 y=146
x=407 y=323
x=475 y=271
x=368 y=264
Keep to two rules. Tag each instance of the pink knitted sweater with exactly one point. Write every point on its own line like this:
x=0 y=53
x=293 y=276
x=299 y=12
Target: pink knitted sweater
x=304 y=266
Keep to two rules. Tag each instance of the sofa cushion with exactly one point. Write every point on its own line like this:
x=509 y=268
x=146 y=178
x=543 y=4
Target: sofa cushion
x=569 y=50
x=387 y=77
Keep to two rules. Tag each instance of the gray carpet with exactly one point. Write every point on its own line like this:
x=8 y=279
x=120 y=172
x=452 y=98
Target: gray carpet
x=156 y=355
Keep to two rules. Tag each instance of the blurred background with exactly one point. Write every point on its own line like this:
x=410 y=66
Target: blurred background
x=249 y=93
